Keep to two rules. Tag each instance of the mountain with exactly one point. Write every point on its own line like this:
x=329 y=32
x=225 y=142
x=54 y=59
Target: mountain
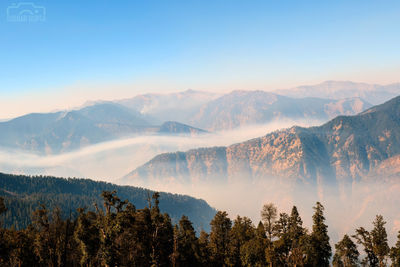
x=169 y=107
x=240 y=108
x=346 y=148
x=372 y=93
x=59 y=132
x=64 y=131
x=25 y=193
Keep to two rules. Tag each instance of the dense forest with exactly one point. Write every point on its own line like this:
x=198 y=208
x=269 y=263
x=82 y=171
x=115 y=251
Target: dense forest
x=24 y=194
x=119 y=234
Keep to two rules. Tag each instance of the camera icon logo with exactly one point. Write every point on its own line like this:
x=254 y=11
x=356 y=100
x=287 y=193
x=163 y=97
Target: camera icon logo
x=26 y=12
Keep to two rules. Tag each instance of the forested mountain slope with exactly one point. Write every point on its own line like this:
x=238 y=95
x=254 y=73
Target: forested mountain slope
x=23 y=194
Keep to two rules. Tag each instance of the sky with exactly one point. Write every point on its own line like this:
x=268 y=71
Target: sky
x=89 y=50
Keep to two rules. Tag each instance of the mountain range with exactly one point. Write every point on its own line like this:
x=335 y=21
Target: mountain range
x=372 y=93
x=240 y=108
x=186 y=113
x=58 y=132
x=345 y=149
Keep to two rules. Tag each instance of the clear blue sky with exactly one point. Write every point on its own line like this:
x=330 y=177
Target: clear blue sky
x=199 y=44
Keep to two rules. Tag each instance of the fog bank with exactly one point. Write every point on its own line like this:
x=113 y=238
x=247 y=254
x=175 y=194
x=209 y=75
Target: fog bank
x=111 y=160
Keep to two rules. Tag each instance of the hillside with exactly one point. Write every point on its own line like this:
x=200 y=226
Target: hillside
x=344 y=149
x=23 y=194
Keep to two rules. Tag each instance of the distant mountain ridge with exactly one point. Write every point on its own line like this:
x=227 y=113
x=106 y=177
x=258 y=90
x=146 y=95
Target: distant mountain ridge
x=344 y=149
x=169 y=107
x=64 y=131
x=58 y=132
x=240 y=108
x=372 y=93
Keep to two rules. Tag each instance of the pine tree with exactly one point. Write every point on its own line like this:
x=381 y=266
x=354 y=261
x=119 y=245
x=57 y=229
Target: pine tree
x=241 y=232
x=87 y=237
x=127 y=239
x=364 y=238
x=279 y=253
x=142 y=241
x=109 y=228
x=375 y=242
x=252 y=252
x=380 y=241
x=219 y=238
x=162 y=235
x=395 y=252
x=319 y=249
x=346 y=254
x=297 y=235
x=22 y=252
x=204 y=249
x=186 y=244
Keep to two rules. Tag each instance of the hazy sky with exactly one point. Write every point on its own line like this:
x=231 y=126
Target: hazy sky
x=87 y=50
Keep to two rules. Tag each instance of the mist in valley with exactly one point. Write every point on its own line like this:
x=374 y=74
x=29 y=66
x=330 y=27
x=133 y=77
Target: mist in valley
x=345 y=212
x=109 y=161
x=347 y=208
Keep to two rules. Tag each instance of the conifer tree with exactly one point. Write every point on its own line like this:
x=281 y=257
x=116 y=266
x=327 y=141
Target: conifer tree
x=252 y=253
x=109 y=228
x=319 y=249
x=380 y=240
x=375 y=243
x=187 y=244
x=87 y=237
x=395 y=252
x=241 y=232
x=162 y=235
x=364 y=238
x=297 y=236
x=142 y=241
x=21 y=250
x=204 y=249
x=127 y=239
x=219 y=238
x=346 y=254
x=279 y=253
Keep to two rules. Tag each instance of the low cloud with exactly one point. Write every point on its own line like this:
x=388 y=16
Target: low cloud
x=246 y=198
x=111 y=160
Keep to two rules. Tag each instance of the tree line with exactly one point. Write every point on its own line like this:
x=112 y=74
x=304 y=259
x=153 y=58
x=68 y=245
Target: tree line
x=118 y=234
